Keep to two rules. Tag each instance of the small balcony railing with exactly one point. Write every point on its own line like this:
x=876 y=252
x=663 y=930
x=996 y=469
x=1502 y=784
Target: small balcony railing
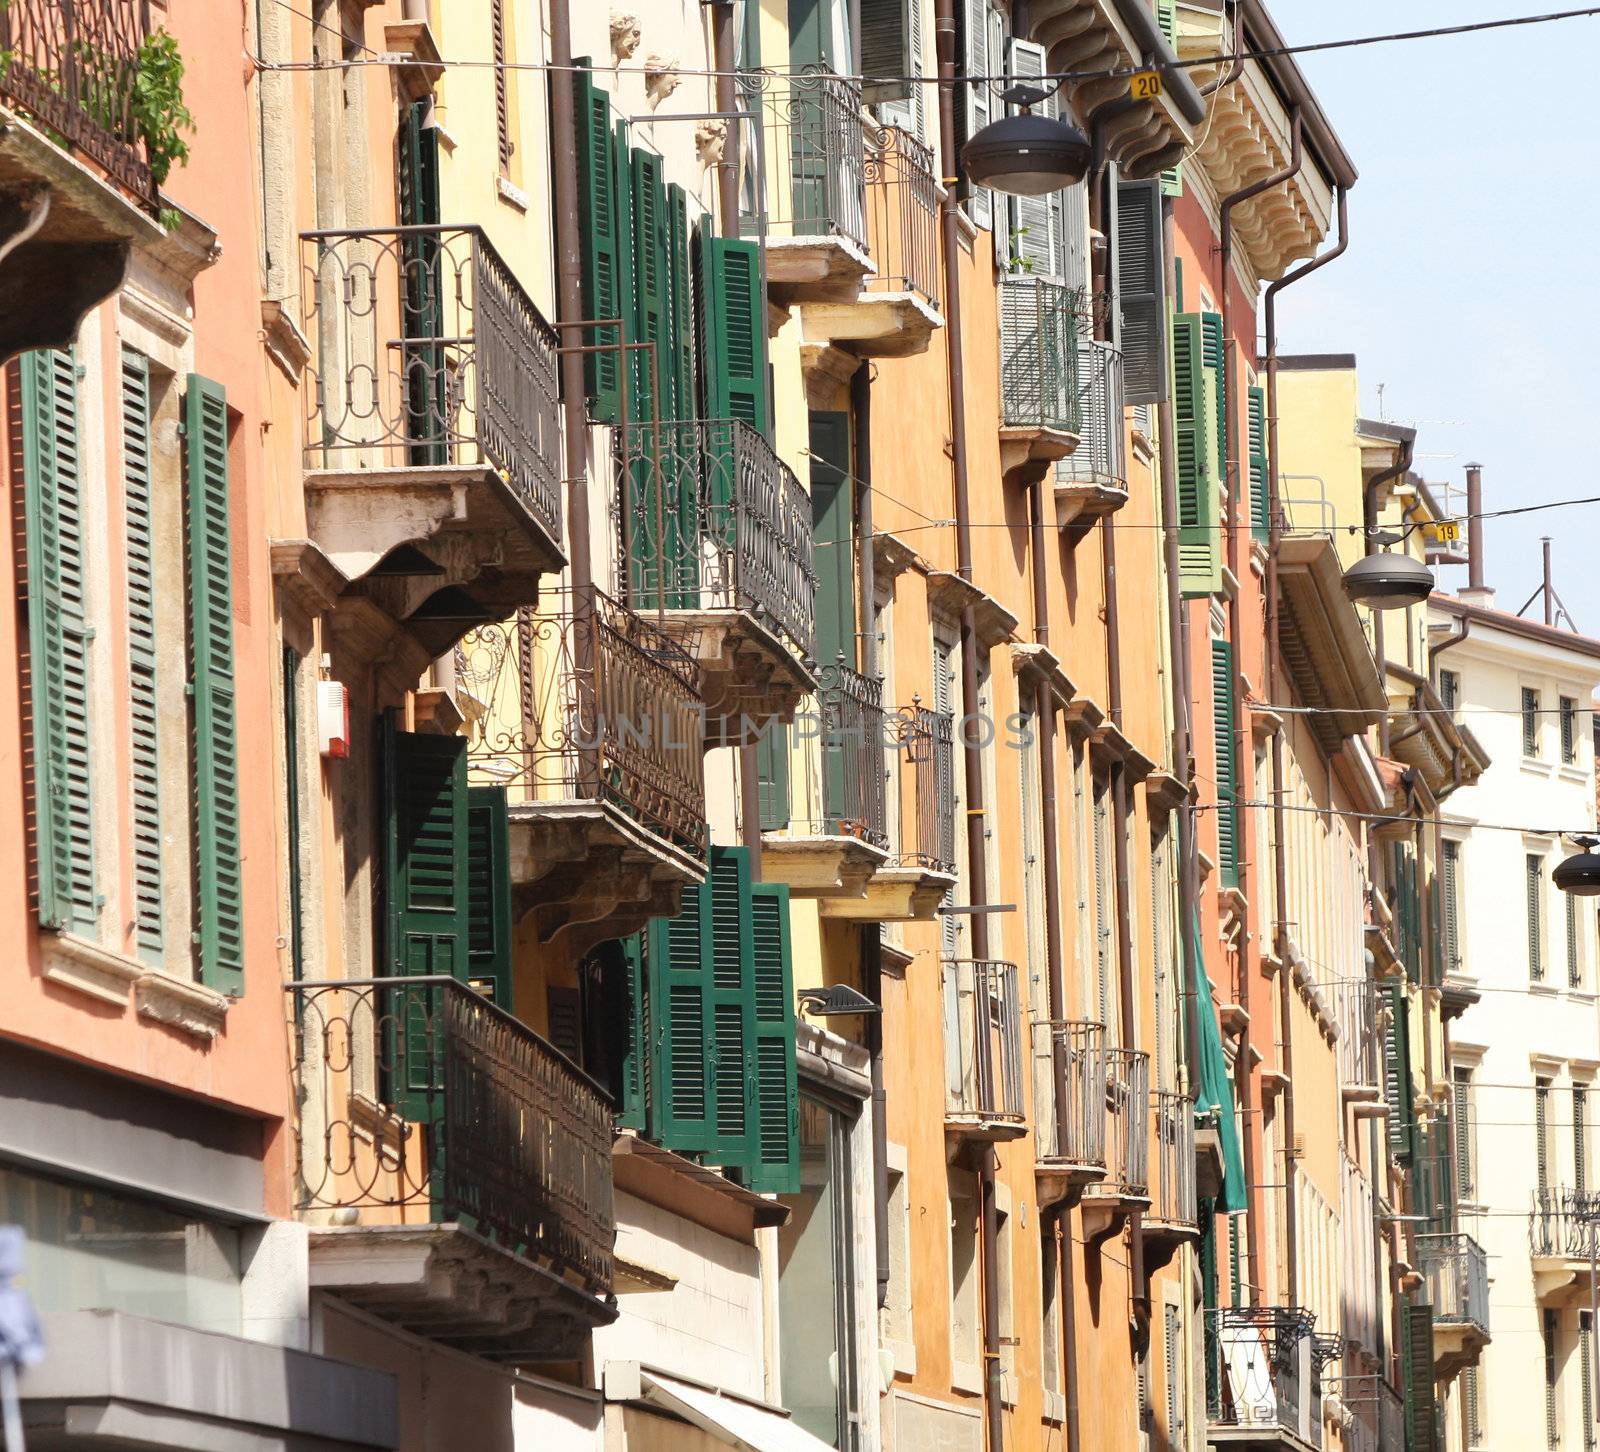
x=925 y=741
x=843 y=737
x=1039 y=326
x=1563 y=1223
x=1174 y=1199
x=1128 y=1121
x=983 y=1042
x=1457 y=1272
x=1260 y=1370
x=581 y=698
x=902 y=214
x=74 y=67
x=1375 y=1413
x=1360 y=1041
x=427 y=352
x=1075 y=1132
x=816 y=138
x=711 y=518
x=1098 y=459
x=421 y=1102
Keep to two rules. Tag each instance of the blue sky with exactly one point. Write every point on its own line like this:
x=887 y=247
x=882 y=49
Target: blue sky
x=1470 y=288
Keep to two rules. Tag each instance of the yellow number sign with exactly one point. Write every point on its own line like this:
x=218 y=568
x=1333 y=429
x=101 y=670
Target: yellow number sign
x=1447 y=531
x=1145 y=85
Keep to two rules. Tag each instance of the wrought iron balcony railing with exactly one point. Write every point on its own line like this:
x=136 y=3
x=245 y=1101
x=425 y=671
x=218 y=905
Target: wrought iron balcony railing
x=710 y=518
x=1564 y=1222
x=425 y=351
x=74 y=67
x=982 y=1042
x=1260 y=1370
x=1175 y=1195
x=1457 y=1273
x=842 y=741
x=1360 y=1042
x=816 y=137
x=1099 y=457
x=419 y=1099
x=1040 y=320
x=926 y=744
x=1128 y=1121
x=902 y=214
x=580 y=698
x=1375 y=1412
x=1075 y=1132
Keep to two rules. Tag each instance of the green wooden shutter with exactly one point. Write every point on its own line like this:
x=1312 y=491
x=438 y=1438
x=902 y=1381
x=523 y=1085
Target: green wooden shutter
x=1452 y=911
x=1215 y=357
x=1397 y=1069
x=1534 y=879
x=833 y=531
x=58 y=642
x=144 y=726
x=1167 y=19
x=729 y=944
x=1417 y=1358
x=774 y=1110
x=1260 y=503
x=425 y=831
x=1199 y=541
x=734 y=331
x=1461 y=1119
x=489 y=959
x=648 y=229
x=219 y=872
x=600 y=238
x=423 y=358
x=1224 y=724
x=678 y=992
x=633 y=1075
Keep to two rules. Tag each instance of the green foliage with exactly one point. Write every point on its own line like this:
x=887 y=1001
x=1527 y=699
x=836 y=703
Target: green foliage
x=157 y=110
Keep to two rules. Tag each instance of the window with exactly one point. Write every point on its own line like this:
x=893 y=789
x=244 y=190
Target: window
x=1580 y=1137
x=1534 y=874
x=1541 y=1134
x=1530 y=722
x=1466 y=1143
x=1451 y=873
x=816 y=1280
x=966 y=1333
x=1569 y=907
x=1569 y=730
x=1552 y=1423
x=1450 y=690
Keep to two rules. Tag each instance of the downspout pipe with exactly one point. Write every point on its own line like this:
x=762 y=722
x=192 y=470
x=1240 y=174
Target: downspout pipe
x=1236 y=69
x=978 y=887
x=1280 y=848
x=1248 y=950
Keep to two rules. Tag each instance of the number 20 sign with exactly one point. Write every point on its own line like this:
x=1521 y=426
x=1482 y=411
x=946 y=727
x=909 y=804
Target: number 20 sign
x=1144 y=85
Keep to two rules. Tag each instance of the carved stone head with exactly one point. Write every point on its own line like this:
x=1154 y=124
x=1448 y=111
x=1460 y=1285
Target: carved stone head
x=625 y=36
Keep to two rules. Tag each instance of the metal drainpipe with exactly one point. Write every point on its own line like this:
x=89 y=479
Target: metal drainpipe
x=1229 y=76
x=945 y=34
x=1280 y=853
x=1247 y=940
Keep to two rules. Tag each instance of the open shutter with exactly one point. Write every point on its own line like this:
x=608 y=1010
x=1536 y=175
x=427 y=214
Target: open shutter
x=600 y=238
x=833 y=533
x=1452 y=922
x=1417 y=1356
x=1215 y=358
x=1167 y=19
x=772 y=777
x=1260 y=519
x=1032 y=220
x=1461 y=1120
x=489 y=894
x=563 y=1013
x=1199 y=553
x=1224 y=722
x=1074 y=231
x=648 y=202
x=734 y=332
x=633 y=1080
x=144 y=725
x=1534 y=878
x=729 y=946
x=218 y=839
x=774 y=1108
x=978 y=110
x=678 y=994
x=1141 y=289
x=426 y=879
x=886 y=50
x=1397 y=1068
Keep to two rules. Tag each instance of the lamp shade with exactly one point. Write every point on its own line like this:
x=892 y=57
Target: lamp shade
x=1388 y=582
x=1579 y=874
x=1027 y=155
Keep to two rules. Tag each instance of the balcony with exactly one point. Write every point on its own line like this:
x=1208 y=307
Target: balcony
x=1457 y=1274
x=715 y=540
x=433 y=445
x=1174 y=1215
x=76 y=192
x=454 y=1167
x=982 y=1050
x=1040 y=411
x=1262 y=1380
x=1126 y=1185
x=1360 y=1046
x=1070 y=1147
x=1094 y=480
x=1373 y=1412
x=838 y=838
x=1562 y=1230
x=590 y=718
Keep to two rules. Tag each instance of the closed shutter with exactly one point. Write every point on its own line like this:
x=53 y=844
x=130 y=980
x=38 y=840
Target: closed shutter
x=1585 y=1380
x=1397 y=1067
x=1199 y=553
x=489 y=894
x=1541 y=1135
x=833 y=533
x=1574 y=963
x=886 y=54
x=1461 y=1119
x=678 y=991
x=1167 y=19
x=1173 y=1351
x=58 y=642
x=729 y=945
x=1224 y=724
x=144 y=723
x=1073 y=227
x=978 y=109
x=1260 y=502
x=774 y=1164
x=1452 y=911
x=1141 y=291
x=1032 y=220
x=1552 y=1420
x=648 y=234
x=1534 y=880
x=947 y=801
x=733 y=330
x=1417 y=1361
x=218 y=833
x=502 y=80
x=423 y=360
x=563 y=1007
x=600 y=238
x=1530 y=722
x=1580 y=1137
x=1215 y=356
x=680 y=476
x=772 y=777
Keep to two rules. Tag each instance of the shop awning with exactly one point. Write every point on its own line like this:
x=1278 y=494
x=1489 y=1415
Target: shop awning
x=1216 y=1085
x=729 y=1419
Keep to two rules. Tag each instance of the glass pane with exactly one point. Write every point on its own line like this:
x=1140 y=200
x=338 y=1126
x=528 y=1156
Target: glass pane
x=808 y=1282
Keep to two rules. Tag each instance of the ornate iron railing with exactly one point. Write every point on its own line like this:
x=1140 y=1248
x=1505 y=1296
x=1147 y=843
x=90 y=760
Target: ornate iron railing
x=425 y=352
x=74 y=67
x=842 y=741
x=983 y=1041
x=926 y=744
x=1075 y=1131
x=817 y=137
x=1457 y=1273
x=421 y=1101
x=582 y=698
x=1128 y=1121
x=711 y=518
x=1175 y=1199
x=1099 y=457
x=1039 y=325
x=1360 y=1042
x=1260 y=1369
x=1564 y=1222
x=903 y=214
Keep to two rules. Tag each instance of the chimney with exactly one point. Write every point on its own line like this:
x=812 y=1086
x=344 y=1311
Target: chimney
x=1476 y=593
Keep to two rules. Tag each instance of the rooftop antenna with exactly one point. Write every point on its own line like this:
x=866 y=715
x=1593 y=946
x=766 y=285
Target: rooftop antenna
x=1382 y=417
x=1555 y=608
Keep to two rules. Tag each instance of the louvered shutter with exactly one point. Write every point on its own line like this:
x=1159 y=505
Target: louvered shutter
x=978 y=110
x=489 y=894
x=733 y=328
x=1199 y=554
x=1260 y=503
x=1397 y=1069
x=218 y=833
x=1032 y=220
x=1580 y=1137
x=886 y=58
x=58 y=642
x=563 y=1008
x=772 y=777
x=728 y=945
x=1167 y=19
x=833 y=533
x=599 y=217
x=423 y=359
x=1452 y=920
x=633 y=1077
x=1534 y=880
x=1073 y=228
x=1215 y=357
x=1417 y=1356
x=144 y=725
x=1224 y=723
x=1574 y=965
x=1141 y=291
x=648 y=203
x=678 y=991
x=1172 y=1350
x=502 y=88
x=774 y=1165
x=680 y=475
x=1541 y=1135
x=1461 y=1119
